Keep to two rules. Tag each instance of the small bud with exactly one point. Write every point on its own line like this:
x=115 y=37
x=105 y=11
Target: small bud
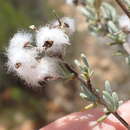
x=33 y=27
x=77 y=63
x=108 y=86
x=90 y=106
x=84 y=58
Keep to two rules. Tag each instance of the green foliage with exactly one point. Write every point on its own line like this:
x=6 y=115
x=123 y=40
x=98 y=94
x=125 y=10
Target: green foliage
x=108 y=87
x=86 y=94
x=110 y=98
x=127 y=2
x=108 y=12
x=83 y=66
x=11 y=19
x=86 y=73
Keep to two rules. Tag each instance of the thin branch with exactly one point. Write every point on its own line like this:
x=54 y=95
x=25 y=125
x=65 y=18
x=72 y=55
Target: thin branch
x=92 y=89
x=121 y=120
x=60 y=23
x=124 y=8
x=78 y=2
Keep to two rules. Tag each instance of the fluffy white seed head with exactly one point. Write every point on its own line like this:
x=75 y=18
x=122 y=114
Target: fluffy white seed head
x=48 y=68
x=53 y=40
x=23 y=62
x=68 y=24
x=16 y=50
x=124 y=22
x=32 y=71
x=41 y=63
x=20 y=39
x=25 y=65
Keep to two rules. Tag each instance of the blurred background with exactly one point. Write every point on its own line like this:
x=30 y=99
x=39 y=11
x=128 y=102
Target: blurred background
x=26 y=108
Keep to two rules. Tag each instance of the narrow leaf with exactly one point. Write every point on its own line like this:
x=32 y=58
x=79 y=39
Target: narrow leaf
x=116 y=100
x=108 y=86
x=102 y=118
x=84 y=59
x=109 y=101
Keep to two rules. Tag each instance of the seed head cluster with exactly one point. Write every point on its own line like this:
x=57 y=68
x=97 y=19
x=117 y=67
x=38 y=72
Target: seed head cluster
x=36 y=58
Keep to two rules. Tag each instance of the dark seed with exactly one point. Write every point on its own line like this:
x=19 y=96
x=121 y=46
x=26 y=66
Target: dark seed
x=66 y=25
x=17 y=65
x=48 y=44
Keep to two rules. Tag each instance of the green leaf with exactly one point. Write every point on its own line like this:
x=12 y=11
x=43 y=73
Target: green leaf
x=109 y=101
x=90 y=106
x=112 y=28
x=84 y=59
x=89 y=13
x=108 y=11
x=108 y=86
x=88 y=94
x=102 y=118
x=127 y=60
x=116 y=100
x=127 y=2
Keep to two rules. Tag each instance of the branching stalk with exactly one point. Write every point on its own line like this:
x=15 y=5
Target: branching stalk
x=92 y=89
